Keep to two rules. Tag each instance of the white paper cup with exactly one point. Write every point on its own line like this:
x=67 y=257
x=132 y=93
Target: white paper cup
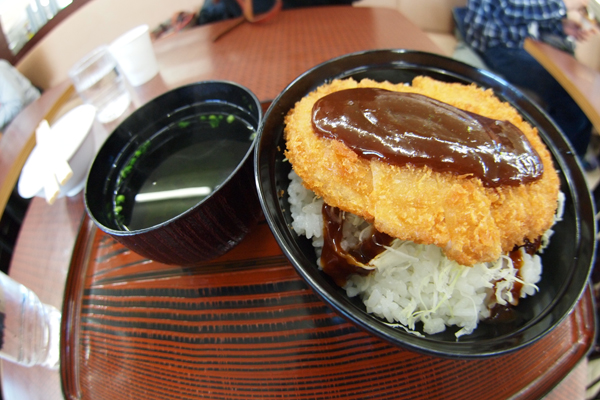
x=135 y=55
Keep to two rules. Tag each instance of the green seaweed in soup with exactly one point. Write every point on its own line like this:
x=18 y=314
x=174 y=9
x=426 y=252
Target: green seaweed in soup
x=179 y=167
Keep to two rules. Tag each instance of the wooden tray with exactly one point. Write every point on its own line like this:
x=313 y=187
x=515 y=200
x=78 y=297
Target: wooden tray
x=247 y=326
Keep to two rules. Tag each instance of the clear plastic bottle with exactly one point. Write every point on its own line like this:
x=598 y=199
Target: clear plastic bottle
x=29 y=329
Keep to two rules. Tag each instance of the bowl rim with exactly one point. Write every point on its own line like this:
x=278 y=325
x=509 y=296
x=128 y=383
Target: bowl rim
x=249 y=153
x=341 y=304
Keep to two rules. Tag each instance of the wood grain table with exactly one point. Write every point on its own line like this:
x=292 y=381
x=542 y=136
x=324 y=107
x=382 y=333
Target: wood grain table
x=244 y=326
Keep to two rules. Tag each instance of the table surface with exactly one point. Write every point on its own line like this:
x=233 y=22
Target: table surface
x=579 y=80
x=265 y=58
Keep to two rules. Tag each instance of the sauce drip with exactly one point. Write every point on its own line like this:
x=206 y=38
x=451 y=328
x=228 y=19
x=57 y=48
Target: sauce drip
x=401 y=128
x=505 y=313
x=339 y=263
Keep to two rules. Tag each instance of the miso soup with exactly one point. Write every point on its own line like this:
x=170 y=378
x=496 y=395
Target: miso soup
x=180 y=165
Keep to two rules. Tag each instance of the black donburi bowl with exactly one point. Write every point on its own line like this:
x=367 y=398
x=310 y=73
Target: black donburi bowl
x=215 y=224
x=566 y=262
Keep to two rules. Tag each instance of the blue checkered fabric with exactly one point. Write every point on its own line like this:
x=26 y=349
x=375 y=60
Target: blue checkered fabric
x=491 y=23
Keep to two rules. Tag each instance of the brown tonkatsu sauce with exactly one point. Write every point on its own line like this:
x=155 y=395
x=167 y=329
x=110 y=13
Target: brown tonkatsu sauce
x=505 y=313
x=517 y=258
x=339 y=263
x=408 y=128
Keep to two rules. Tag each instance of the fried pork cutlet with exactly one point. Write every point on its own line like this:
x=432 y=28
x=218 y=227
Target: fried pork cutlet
x=470 y=221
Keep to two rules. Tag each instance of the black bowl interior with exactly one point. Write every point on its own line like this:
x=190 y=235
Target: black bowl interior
x=152 y=123
x=566 y=262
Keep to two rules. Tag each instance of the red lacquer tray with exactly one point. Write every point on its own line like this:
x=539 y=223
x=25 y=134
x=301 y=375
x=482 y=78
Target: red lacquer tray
x=247 y=326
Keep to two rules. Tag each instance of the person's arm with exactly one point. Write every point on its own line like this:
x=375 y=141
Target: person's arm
x=572 y=27
x=575 y=5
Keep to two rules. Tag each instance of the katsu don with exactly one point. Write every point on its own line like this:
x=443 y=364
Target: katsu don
x=430 y=162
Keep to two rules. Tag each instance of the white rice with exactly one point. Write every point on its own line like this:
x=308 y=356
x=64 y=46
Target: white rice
x=415 y=283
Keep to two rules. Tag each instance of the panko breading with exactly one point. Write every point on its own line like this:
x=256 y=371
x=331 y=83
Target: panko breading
x=470 y=222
